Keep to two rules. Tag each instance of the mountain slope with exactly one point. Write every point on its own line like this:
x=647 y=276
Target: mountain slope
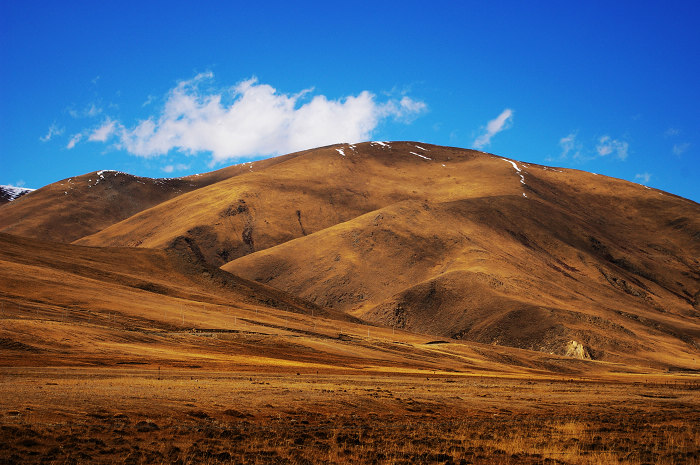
x=608 y=264
x=53 y=276
x=70 y=209
x=310 y=192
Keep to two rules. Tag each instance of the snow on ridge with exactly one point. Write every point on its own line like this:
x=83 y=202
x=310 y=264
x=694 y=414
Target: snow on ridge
x=340 y=151
x=517 y=168
x=512 y=163
x=378 y=142
x=13 y=192
x=421 y=148
x=520 y=173
x=101 y=173
x=419 y=155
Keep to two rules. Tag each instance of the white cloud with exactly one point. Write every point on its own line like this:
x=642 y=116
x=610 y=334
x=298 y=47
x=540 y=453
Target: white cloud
x=54 y=130
x=104 y=132
x=672 y=132
x=493 y=127
x=573 y=148
x=680 y=149
x=74 y=140
x=570 y=146
x=643 y=178
x=177 y=167
x=254 y=119
x=607 y=145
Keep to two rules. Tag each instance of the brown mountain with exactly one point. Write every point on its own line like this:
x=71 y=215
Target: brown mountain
x=445 y=241
x=70 y=209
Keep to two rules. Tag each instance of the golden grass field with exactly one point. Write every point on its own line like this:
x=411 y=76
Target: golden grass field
x=146 y=415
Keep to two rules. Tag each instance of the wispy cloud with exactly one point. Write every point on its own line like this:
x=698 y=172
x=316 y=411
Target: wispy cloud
x=570 y=147
x=104 y=132
x=680 y=149
x=74 y=140
x=672 y=132
x=493 y=127
x=573 y=148
x=643 y=178
x=609 y=146
x=253 y=119
x=54 y=130
x=89 y=111
x=177 y=167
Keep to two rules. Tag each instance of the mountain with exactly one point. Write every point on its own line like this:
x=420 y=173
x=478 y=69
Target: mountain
x=444 y=241
x=70 y=209
x=310 y=192
x=10 y=193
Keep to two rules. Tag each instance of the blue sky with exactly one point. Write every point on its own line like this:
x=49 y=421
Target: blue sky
x=174 y=88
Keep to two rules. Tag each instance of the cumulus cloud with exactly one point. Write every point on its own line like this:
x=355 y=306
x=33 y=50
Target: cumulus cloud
x=680 y=149
x=252 y=119
x=643 y=178
x=607 y=146
x=493 y=127
x=54 y=130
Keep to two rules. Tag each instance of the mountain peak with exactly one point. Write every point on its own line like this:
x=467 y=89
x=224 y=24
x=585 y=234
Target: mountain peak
x=10 y=193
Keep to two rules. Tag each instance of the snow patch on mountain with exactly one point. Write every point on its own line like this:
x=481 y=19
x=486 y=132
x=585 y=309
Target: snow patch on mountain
x=517 y=169
x=419 y=155
x=378 y=142
x=10 y=193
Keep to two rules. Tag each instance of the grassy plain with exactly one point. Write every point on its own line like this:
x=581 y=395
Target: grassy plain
x=272 y=415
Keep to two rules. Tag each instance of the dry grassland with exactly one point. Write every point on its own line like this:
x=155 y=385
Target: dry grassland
x=150 y=415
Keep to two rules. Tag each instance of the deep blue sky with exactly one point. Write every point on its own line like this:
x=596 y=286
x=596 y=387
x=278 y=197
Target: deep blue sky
x=608 y=87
